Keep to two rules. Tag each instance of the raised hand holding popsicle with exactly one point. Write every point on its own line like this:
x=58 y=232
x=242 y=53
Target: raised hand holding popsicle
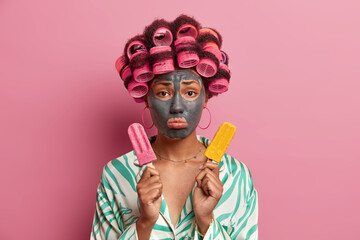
x=209 y=187
x=149 y=187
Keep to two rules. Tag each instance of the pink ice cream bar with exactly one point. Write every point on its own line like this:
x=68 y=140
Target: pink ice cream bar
x=141 y=144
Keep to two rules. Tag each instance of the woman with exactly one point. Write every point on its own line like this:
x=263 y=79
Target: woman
x=185 y=195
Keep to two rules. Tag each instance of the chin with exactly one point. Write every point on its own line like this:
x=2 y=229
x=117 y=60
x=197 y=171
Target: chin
x=177 y=133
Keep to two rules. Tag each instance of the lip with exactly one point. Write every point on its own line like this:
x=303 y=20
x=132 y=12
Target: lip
x=177 y=123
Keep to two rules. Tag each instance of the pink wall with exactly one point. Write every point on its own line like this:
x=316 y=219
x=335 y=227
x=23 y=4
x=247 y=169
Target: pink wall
x=294 y=98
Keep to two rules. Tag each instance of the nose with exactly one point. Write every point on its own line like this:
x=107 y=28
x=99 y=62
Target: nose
x=177 y=105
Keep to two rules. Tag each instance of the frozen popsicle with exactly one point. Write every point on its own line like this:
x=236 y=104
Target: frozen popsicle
x=220 y=142
x=141 y=144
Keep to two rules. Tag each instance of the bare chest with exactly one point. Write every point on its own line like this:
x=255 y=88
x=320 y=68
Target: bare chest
x=177 y=186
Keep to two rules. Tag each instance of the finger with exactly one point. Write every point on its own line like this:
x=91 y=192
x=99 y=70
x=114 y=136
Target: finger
x=215 y=182
x=151 y=187
x=212 y=189
x=150 y=180
x=203 y=173
x=149 y=172
x=146 y=186
x=144 y=191
x=152 y=196
x=212 y=166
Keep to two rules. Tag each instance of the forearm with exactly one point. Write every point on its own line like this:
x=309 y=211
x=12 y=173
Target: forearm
x=143 y=229
x=213 y=232
x=203 y=223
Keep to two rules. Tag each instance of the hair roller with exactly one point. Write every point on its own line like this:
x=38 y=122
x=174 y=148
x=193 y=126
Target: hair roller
x=185 y=26
x=158 y=34
x=161 y=59
x=209 y=35
x=224 y=58
x=135 y=45
x=220 y=82
x=219 y=85
x=210 y=41
x=123 y=67
x=137 y=89
x=208 y=65
x=120 y=63
x=138 y=55
x=187 y=52
x=214 y=49
x=139 y=100
x=126 y=73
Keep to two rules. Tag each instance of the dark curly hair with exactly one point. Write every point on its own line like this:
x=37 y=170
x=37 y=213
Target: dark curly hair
x=165 y=46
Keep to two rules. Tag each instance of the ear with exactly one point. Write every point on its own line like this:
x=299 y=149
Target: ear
x=206 y=100
x=146 y=101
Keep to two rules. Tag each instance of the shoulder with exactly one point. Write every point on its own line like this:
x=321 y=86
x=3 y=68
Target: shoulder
x=124 y=162
x=124 y=170
x=233 y=166
x=234 y=171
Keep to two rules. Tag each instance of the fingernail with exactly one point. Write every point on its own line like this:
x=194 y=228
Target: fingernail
x=201 y=167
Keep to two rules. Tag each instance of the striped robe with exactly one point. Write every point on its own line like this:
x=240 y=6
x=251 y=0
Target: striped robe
x=117 y=205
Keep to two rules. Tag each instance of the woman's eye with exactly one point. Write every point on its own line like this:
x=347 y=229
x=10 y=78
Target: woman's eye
x=191 y=93
x=163 y=94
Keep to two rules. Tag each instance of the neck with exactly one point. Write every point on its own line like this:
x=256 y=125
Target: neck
x=177 y=149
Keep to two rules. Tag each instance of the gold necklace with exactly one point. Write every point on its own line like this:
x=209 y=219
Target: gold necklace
x=177 y=161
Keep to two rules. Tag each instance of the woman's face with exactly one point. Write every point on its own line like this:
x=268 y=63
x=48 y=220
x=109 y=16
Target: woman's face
x=176 y=100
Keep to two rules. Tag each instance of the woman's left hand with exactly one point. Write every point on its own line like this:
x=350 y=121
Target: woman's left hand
x=207 y=194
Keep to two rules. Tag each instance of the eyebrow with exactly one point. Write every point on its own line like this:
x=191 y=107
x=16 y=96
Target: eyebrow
x=189 y=82
x=165 y=83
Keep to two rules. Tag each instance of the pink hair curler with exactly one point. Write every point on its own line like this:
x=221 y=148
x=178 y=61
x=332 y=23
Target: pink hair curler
x=137 y=89
x=120 y=63
x=187 y=30
x=204 y=31
x=186 y=58
x=139 y=100
x=224 y=58
x=206 y=67
x=125 y=73
x=162 y=37
x=135 y=47
x=143 y=73
x=137 y=51
x=164 y=64
x=220 y=85
x=224 y=67
x=214 y=50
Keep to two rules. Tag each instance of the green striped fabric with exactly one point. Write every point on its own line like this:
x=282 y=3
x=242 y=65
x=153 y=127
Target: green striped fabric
x=117 y=206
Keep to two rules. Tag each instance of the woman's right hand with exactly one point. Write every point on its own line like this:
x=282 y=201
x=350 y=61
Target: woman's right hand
x=149 y=191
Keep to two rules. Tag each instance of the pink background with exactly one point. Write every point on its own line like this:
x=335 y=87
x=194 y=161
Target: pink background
x=294 y=98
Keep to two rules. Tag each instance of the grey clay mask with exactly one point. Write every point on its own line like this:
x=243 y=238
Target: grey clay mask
x=175 y=109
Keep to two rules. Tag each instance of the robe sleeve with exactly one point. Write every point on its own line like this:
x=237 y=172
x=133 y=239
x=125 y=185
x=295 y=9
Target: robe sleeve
x=107 y=223
x=243 y=225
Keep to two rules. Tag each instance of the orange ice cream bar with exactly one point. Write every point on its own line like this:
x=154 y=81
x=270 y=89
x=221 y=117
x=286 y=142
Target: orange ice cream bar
x=220 y=142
